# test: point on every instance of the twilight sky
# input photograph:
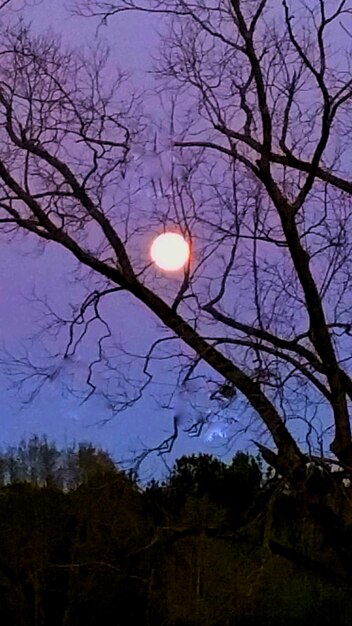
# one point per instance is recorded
(25, 267)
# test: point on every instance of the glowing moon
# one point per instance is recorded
(170, 252)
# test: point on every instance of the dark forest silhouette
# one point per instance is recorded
(83, 544)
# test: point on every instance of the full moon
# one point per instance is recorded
(170, 252)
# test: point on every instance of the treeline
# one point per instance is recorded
(83, 544)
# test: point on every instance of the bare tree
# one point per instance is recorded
(265, 101)
(255, 178)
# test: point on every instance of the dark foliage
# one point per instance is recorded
(82, 544)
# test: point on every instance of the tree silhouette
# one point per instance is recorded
(254, 175)
(273, 158)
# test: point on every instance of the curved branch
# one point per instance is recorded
(250, 389)
(281, 355)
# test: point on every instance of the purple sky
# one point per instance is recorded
(24, 266)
